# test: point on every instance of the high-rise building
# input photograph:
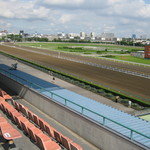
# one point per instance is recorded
(133, 36)
(92, 35)
(82, 35)
(21, 32)
(107, 36)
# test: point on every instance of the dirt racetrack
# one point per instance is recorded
(125, 83)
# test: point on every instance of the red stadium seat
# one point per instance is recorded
(49, 130)
(17, 120)
(46, 143)
(57, 136)
(42, 124)
(30, 115)
(75, 146)
(16, 105)
(34, 131)
(5, 95)
(2, 99)
(2, 120)
(15, 115)
(8, 132)
(36, 119)
(24, 110)
(66, 142)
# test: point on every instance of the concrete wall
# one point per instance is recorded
(96, 134)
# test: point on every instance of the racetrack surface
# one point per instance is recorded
(130, 84)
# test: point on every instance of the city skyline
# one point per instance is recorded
(123, 18)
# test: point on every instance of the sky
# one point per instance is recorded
(121, 17)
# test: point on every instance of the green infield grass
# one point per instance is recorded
(131, 58)
(146, 117)
(109, 51)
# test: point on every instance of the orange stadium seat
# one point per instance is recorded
(5, 95)
(8, 132)
(24, 110)
(2, 99)
(42, 124)
(30, 115)
(10, 111)
(15, 115)
(66, 142)
(57, 136)
(36, 119)
(2, 120)
(75, 146)
(16, 105)
(3, 107)
(26, 126)
(46, 143)
(34, 131)
(49, 130)
(17, 120)
(23, 120)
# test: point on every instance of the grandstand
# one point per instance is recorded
(134, 129)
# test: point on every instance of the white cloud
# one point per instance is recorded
(22, 10)
(4, 25)
(63, 2)
(66, 18)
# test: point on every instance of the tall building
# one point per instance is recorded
(92, 35)
(21, 32)
(133, 36)
(61, 35)
(82, 35)
(107, 36)
(72, 35)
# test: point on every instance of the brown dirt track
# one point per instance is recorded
(116, 80)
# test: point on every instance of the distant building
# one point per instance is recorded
(72, 36)
(51, 37)
(3, 33)
(133, 36)
(92, 35)
(21, 32)
(61, 35)
(107, 36)
(82, 35)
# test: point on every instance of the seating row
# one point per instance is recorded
(29, 128)
(45, 127)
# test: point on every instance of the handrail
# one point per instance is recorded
(82, 108)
